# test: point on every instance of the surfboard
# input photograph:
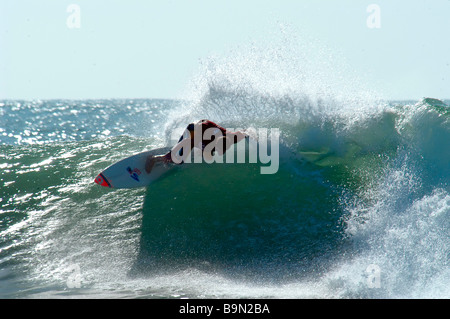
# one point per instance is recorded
(130, 172)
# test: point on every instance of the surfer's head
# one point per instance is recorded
(190, 129)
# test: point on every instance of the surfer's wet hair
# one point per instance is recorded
(190, 127)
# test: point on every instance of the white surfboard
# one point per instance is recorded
(130, 172)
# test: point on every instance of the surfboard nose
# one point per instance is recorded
(102, 181)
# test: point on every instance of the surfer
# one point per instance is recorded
(222, 143)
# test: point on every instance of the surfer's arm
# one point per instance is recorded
(180, 151)
(239, 136)
(153, 159)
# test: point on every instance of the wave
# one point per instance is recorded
(352, 190)
(341, 172)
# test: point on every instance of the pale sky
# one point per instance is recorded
(150, 49)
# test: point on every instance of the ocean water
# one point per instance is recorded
(359, 208)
